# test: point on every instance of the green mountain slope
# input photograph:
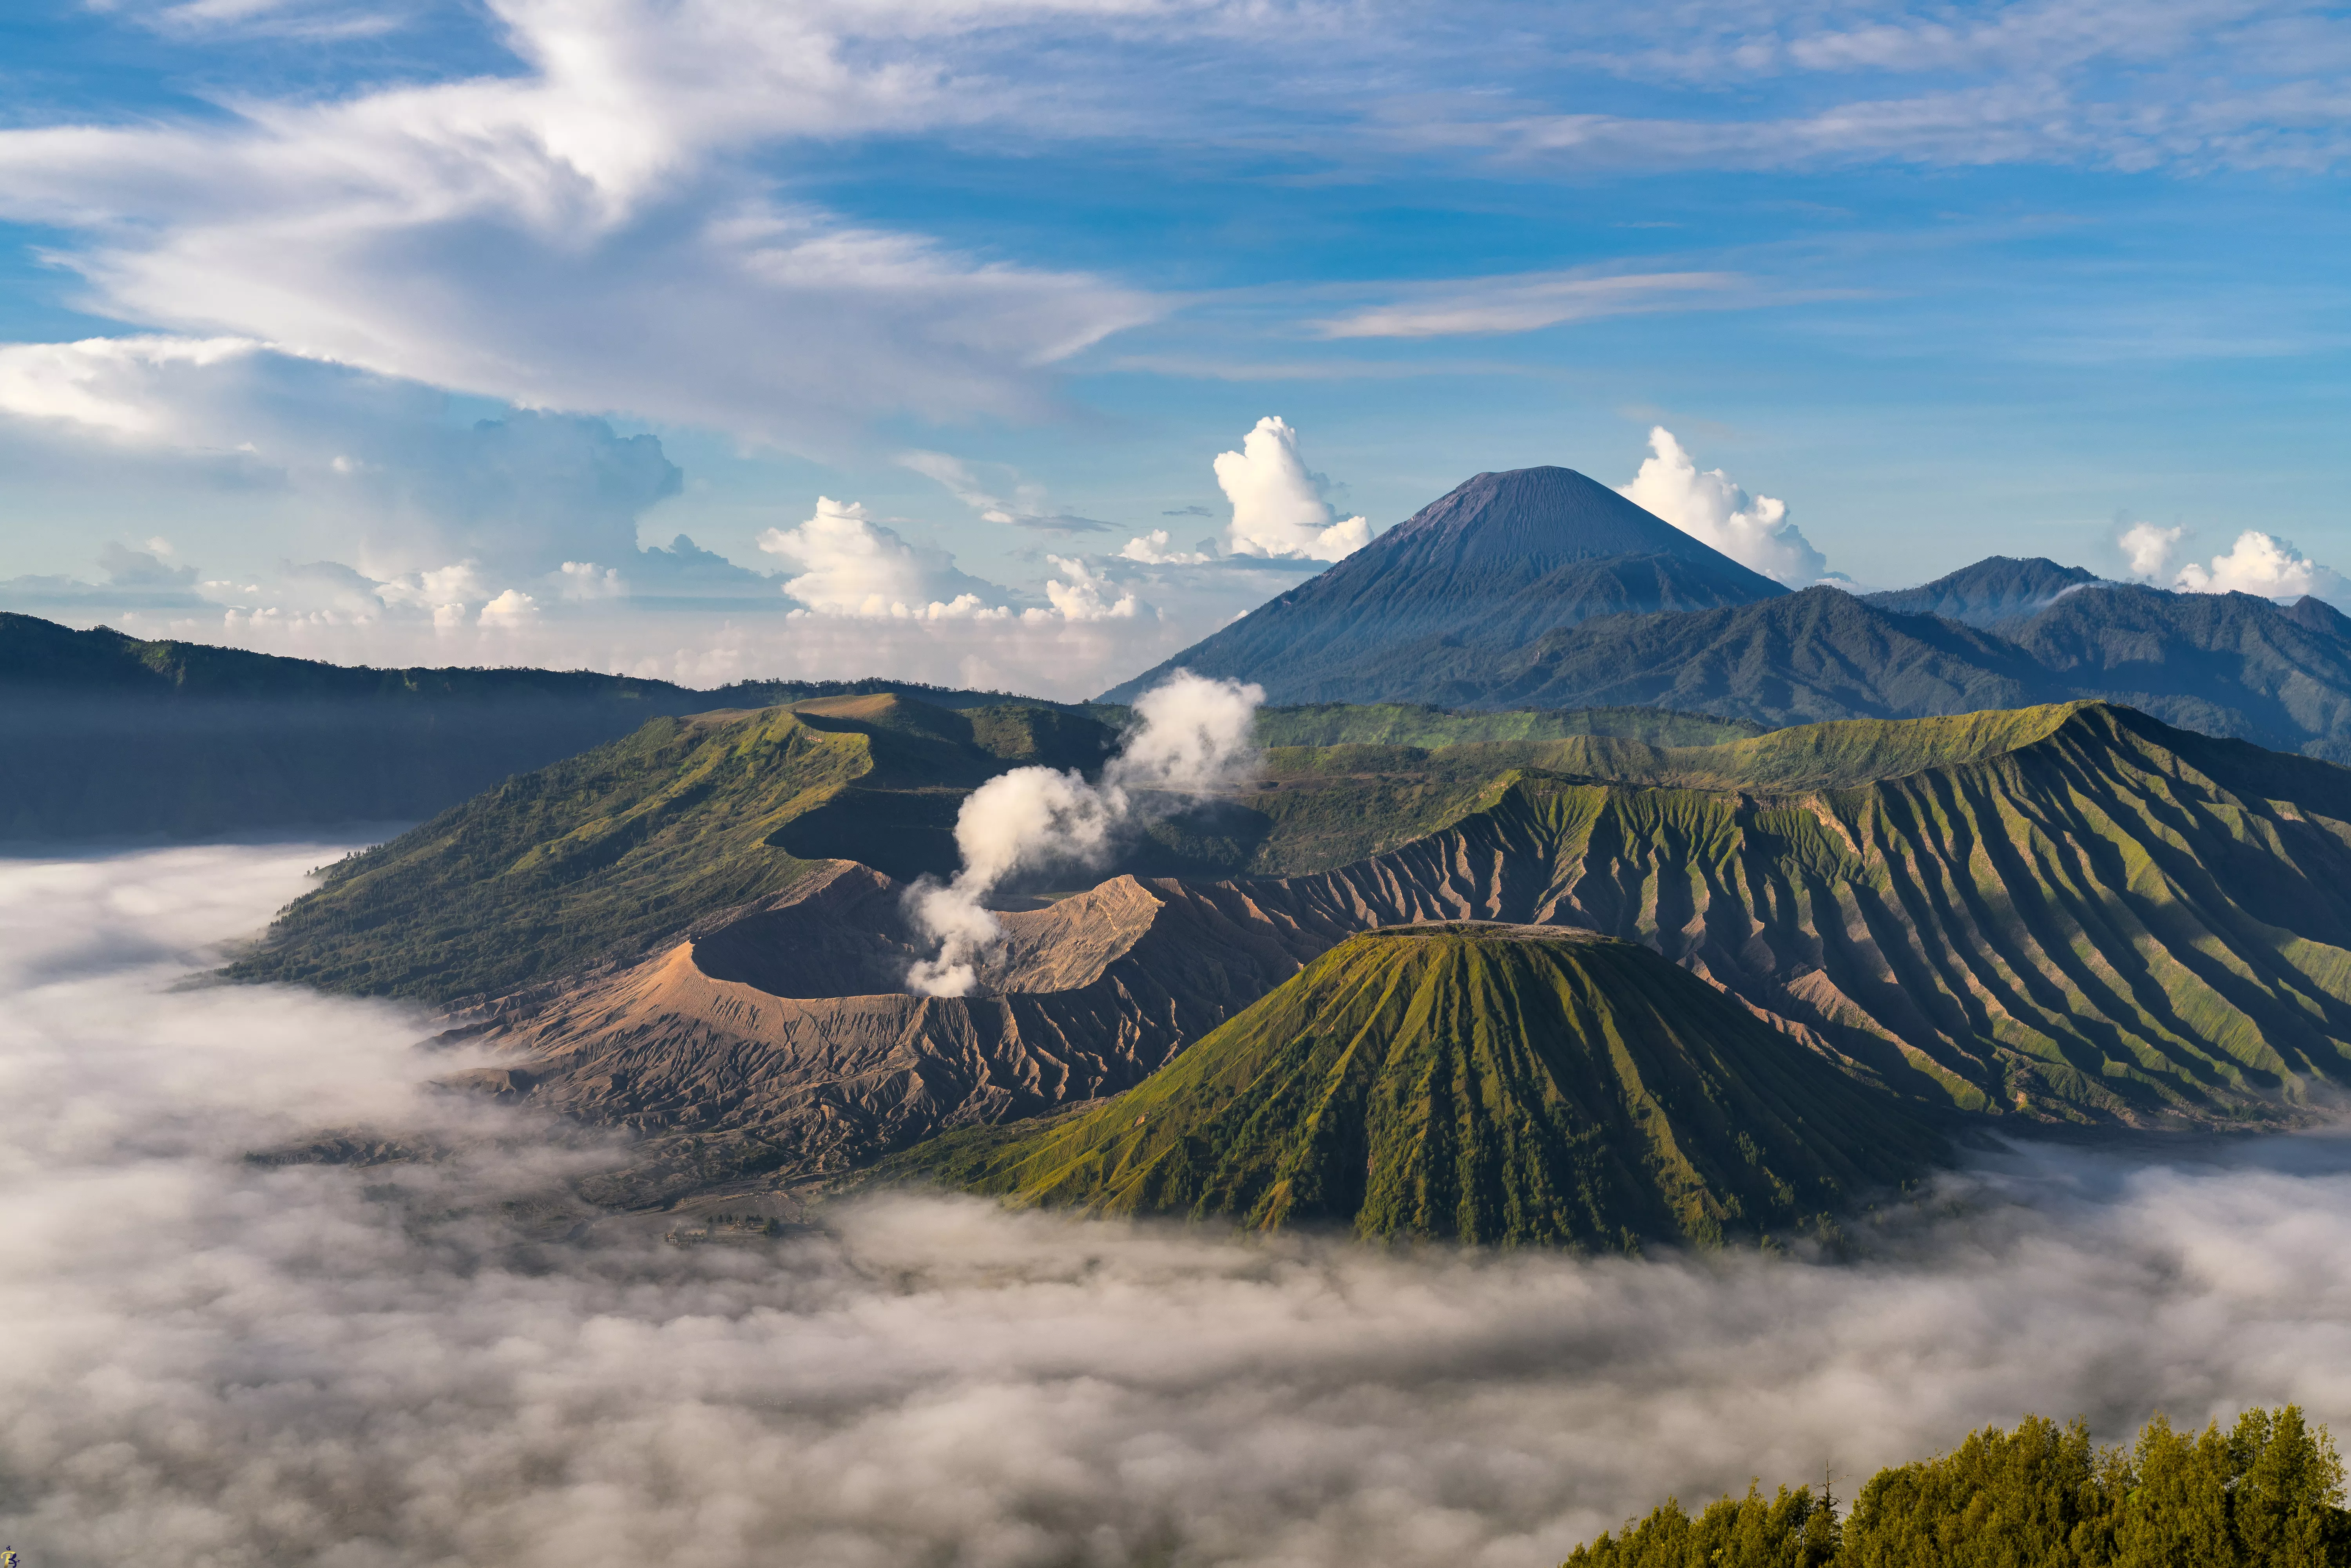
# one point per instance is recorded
(1316, 807)
(1488, 1084)
(1400, 724)
(2110, 920)
(102, 735)
(604, 852)
(641, 837)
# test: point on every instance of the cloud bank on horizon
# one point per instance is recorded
(208, 1358)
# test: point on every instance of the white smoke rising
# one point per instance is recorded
(1193, 737)
(1277, 505)
(1752, 530)
(208, 1364)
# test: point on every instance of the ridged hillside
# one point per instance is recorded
(1487, 1084)
(2104, 919)
(1400, 724)
(601, 853)
(1320, 807)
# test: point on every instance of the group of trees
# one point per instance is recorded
(2266, 1494)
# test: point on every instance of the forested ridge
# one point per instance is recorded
(2266, 1494)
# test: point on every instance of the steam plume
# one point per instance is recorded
(1194, 736)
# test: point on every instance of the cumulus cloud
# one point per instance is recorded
(1193, 735)
(1278, 505)
(2258, 563)
(2266, 564)
(1753, 530)
(511, 609)
(586, 581)
(1079, 592)
(1156, 548)
(204, 1360)
(2147, 550)
(851, 564)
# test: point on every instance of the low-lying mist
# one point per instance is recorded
(206, 1362)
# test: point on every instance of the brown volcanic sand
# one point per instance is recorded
(728, 1053)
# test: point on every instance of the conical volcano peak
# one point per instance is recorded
(1537, 515)
(1494, 563)
(1492, 1084)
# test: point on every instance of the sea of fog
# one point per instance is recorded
(205, 1362)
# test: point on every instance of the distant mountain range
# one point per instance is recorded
(1542, 589)
(107, 735)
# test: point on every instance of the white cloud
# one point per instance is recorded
(452, 584)
(851, 564)
(2266, 564)
(1752, 530)
(1527, 301)
(1081, 593)
(374, 468)
(582, 233)
(1156, 548)
(585, 580)
(114, 384)
(1023, 508)
(2147, 550)
(511, 609)
(1277, 505)
(966, 485)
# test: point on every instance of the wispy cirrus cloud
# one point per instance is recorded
(622, 222)
(1526, 301)
(582, 234)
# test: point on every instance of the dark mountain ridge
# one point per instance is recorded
(1598, 632)
(1996, 589)
(107, 735)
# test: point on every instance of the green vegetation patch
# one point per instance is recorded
(1504, 1086)
(2268, 1493)
(605, 852)
(1401, 724)
(1330, 803)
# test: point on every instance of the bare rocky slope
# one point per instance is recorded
(779, 1041)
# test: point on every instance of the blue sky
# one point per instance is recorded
(341, 329)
